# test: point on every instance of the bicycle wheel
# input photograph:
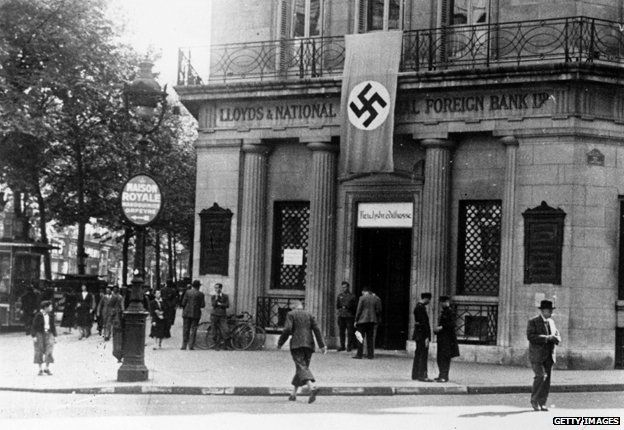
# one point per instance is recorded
(204, 336)
(260, 338)
(242, 336)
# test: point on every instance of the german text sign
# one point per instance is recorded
(385, 215)
(141, 200)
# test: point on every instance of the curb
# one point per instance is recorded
(324, 391)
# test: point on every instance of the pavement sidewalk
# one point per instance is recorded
(87, 366)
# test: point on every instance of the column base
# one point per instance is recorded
(132, 373)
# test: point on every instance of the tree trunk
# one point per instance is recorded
(175, 259)
(47, 263)
(124, 256)
(171, 274)
(190, 259)
(157, 252)
(81, 247)
(82, 219)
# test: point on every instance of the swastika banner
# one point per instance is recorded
(369, 86)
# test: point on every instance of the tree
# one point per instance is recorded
(61, 78)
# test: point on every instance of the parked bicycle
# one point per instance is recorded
(244, 334)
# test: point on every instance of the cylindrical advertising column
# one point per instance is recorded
(253, 226)
(320, 276)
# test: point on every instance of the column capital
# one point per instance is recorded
(437, 143)
(317, 145)
(508, 140)
(255, 146)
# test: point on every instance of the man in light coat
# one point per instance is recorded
(543, 337)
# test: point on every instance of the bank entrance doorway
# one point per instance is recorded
(383, 262)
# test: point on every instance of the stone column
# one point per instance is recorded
(253, 226)
(321, 252)
(434, 240)
(507, 242)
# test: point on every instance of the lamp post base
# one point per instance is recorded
(132, 373)
(133, 368)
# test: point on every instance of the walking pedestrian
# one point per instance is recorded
(69, 311)
(84, 312)
(447, 339)
(543, 339)
(44, 337)
(102, 312)
(346, 305)
(422, 336)
(220, 302)
(170, 298)
(367, 316)
(301, 325)
(192, 304)
(30, 305)
(114, 324)
(97, 313)
(160, 324)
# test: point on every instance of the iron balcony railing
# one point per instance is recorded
(476, 323)
(271, 312)
(559, 40)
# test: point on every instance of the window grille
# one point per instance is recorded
(290, 232)
(479, 243)
(476, 323)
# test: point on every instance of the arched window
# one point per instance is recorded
(379, 15)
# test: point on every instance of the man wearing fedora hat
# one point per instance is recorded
(543, 337)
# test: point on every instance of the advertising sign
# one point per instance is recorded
(141, 200)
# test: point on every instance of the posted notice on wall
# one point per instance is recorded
(293, 257)
(385, 215)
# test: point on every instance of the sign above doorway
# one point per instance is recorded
(385, 215)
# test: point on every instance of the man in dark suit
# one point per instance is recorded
(367, 316)
(192, 304)
(30, 305)
(422, 336)
(447, 339)
(220, 302)
(543, 337)
(170, 297)
(84, 312)
(302, 326)
(345, 305)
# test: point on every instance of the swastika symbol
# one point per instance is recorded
(368, 105)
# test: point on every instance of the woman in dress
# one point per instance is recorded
(160, 324)
(69, 312)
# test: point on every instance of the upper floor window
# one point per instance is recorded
(469, 12)
(301, 18)
(377, 15)
(306, 18)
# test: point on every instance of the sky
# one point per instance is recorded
(164, 26)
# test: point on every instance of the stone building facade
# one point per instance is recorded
(508, 167)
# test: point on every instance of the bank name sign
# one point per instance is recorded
(385, 215)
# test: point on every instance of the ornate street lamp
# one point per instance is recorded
(142, 96)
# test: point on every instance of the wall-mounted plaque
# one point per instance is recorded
(595, 158)
(543, 244)
(215, 226)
